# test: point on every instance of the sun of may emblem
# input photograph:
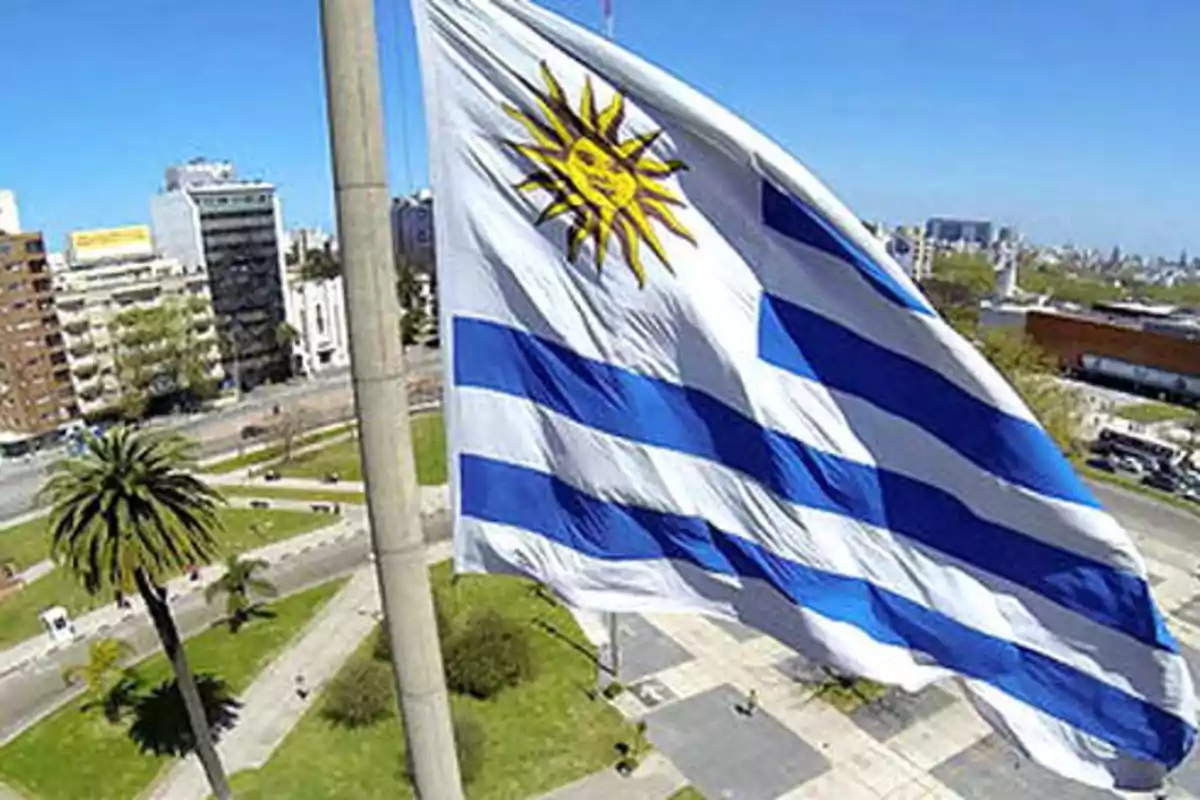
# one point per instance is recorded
(609, 186)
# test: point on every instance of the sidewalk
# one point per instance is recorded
(271, 707)
(656, 779)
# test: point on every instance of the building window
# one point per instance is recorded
(34, 246)
(320, 320)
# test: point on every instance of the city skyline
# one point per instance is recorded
(936, 111)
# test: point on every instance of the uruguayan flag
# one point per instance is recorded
(684, 378)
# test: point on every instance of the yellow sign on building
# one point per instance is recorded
(123, 239)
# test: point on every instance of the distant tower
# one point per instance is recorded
(1006, 271)
(1183, 258)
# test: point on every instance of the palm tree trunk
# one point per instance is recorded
(164, 623)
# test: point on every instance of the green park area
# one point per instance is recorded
(429, 450)
(241, 530)
(76, 753)
(276, 450)
(1155, 412)
(546, 730)
(286, 493)
(686, 793)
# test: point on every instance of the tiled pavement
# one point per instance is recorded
(687, 677)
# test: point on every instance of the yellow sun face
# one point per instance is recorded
(610, 187)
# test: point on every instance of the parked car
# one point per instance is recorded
(1131, 464)
(1161, 479)
(253, 431)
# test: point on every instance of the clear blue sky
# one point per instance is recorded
(1076, 119)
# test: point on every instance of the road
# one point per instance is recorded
(30, 692)
(321, 401)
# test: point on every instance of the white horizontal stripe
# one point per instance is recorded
(900, 446)
(662, 586)
(617, 470)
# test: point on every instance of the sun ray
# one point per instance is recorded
(612, 117)
(560, 206)
(553, 87)
(627, 236)
(587, 106)
(607, 187)
(659, 169)
(633, 149)
(576, 236)
(657, 190)
(642, 226)
(542, 180)
(544, 137)
(664, 215)
(603, 228)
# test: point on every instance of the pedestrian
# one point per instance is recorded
(751, 704)
(301, 687)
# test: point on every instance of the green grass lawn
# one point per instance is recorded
(73, 754)
(429, 449)
(540, 735)
(1154, 412)
(686, 793)
(284, 493)
(245, 529)
(25, 544)
(274, 451)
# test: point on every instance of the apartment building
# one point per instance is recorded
(36, 394)
(206, 217)
(115, 349)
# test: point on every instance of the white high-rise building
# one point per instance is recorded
(111, 272)
(206, 217)
(10, 220)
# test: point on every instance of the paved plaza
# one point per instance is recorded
(689, 678)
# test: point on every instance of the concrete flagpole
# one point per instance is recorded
(377, 364)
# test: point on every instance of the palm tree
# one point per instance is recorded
(109, 684)
(238, 584)
(126, 515)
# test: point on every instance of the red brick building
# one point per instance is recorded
(1156, 354)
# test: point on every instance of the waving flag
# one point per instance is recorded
(685, 378)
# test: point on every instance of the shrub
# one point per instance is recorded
(360, 695)
(489, 654)
(470, 744)
(612, 690)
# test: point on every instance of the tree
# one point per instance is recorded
(109, 683)
(126, 515)
(161, 350)
(413, 320)
(240, 584)
(287, 429)
(1030, 370)
(320, 264)
(286, 335)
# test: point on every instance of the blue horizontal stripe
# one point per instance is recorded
(655, 412)
(796, 220)
(512, 495)
(1012, 448)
